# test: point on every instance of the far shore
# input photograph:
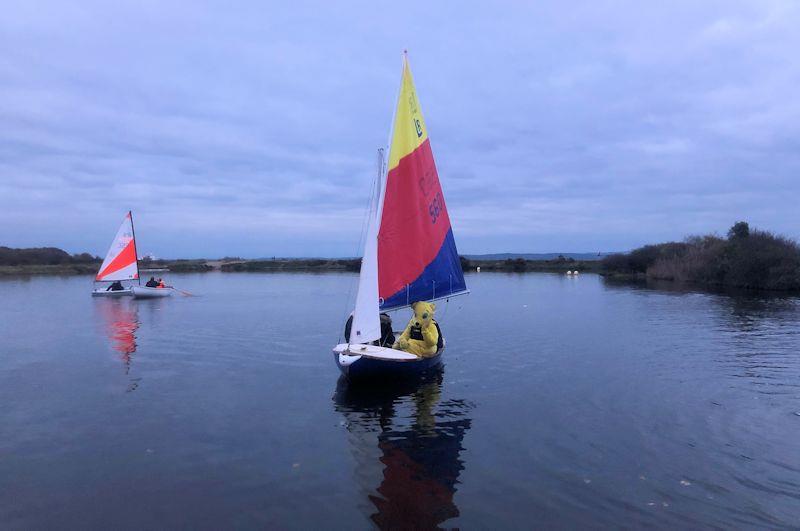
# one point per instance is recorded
(747, 259)
(306, 265)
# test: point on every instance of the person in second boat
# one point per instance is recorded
(151, 283)
(161, 283)
(116, 286)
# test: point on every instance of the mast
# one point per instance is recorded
(366, 315)
(384, 171)
(135, 251)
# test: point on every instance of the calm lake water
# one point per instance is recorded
(564, 402)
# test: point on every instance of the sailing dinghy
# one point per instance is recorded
(409, 253)
(121, 262)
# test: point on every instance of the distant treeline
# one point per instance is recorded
(177, 266)
(751, 259)
(42, 256)
(516, 265)
(295, 264)
(538, 257)
(522, 265)
(746, 258)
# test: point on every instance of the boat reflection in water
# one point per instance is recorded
(406, 442)
(120, 321)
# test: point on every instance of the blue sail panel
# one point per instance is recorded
(441, 278)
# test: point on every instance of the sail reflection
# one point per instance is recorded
(406, 442)
(121, 321)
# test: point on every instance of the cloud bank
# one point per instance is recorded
(251, 129)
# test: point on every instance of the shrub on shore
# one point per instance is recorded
(42, 256)
(747, 258)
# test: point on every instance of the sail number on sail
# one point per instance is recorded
(435, 208)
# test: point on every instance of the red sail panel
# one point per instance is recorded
(125, 258)
(414, 223)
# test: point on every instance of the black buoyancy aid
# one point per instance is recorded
(416, 333)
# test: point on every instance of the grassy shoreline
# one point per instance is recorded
(48, 269)
(752, 260)
(303, 265)
(521, 265)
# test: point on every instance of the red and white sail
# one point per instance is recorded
(121, 260)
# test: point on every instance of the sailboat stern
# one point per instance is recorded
(374, 362)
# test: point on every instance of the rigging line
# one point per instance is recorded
(349, 300)
(447, 301)
(446, 307)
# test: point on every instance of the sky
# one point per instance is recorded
(250, 128)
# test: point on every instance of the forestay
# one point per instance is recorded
(366, 321)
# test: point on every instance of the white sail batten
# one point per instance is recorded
(366, 325)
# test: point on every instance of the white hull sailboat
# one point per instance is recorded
(410, 254)
(125, 292)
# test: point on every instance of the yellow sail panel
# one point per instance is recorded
(409, 125)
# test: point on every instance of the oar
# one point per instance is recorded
(185, 293)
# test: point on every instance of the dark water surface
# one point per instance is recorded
(564, 402)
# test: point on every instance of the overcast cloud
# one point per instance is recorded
(250, 129)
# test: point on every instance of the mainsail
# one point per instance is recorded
(121, 260)
(417, 256)
(410, 254)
